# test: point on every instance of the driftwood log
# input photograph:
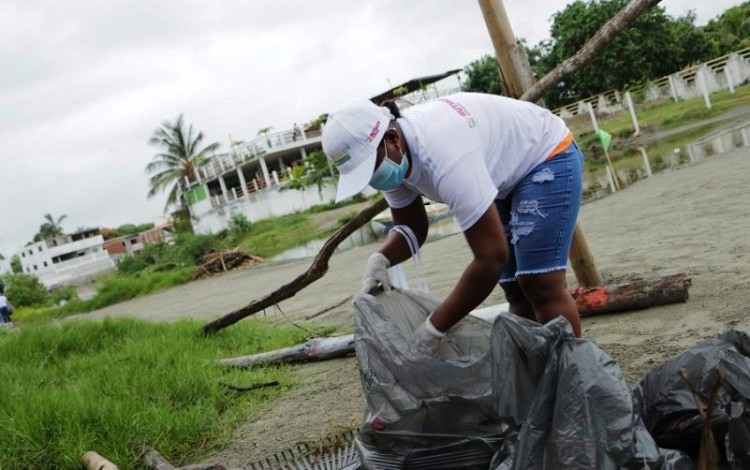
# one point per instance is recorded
(317, 269)
(317, 349)
(94, 461)
(320, 264)
(631, 295)
(591, 301)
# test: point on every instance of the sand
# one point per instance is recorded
(694, 219)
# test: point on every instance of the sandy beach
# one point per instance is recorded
(693, 220)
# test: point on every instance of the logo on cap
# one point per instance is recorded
(373, 132)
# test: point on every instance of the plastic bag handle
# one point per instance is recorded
(398, 273)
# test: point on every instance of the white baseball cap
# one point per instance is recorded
(350, 141)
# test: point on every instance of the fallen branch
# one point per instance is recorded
(589, 50)
(94, 461)
(155, 461)
(241, 389)
(317, 269)
(329, 308)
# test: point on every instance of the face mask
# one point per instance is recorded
(390, 175)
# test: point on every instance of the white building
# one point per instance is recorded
(66, 259)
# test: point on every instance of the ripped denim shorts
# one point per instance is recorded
(540, 214)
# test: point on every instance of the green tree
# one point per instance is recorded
(15, 265)
(24, 290)
(314, 169)
(181, 151)
(650, 48)
(483, 76)
(731, 30)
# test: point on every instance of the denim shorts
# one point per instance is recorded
(539, 216)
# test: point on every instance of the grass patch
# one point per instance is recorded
(114, 386)
(113, 289)
(269, 237)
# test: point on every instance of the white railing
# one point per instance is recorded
(654, 89)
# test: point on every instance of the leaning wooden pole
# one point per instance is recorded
(519, 82)
(317, 269)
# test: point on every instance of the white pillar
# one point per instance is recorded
(264, 170)
(243, 183)
(745, 133)
(631, 108)
(672, 88)
(728, 77)
(701, 79)
(593, 118)
(197, 175)
(611, 180)
(223, 187)
(275, 177)
(303, 152)
(646, 163)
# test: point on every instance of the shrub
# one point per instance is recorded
(131, 264)
(24, 290)
(64, 294)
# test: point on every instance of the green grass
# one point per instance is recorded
(113, 289)
(269, 237)
(118, 385)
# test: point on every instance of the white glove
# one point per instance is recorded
(376, 273)
(427, 338)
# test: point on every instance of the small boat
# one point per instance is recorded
(436, 212)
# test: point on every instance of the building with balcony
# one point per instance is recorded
(66, 259)
(253, 178)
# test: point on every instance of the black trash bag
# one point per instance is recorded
(570, 401)
(667, 407)
(423, 410)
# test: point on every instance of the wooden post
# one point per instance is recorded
(518, 79)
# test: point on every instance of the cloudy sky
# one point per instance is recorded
(84, 83)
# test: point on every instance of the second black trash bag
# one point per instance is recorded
(667, 407)
(570, 400)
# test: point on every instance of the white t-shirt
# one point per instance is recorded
(469, 149)
(3, 301)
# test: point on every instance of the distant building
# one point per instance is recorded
(66, 259)
(129, 244)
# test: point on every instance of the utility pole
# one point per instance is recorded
(518, 78)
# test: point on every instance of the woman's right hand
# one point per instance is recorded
(376, 273)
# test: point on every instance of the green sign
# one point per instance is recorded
(196, 195)
(605, 138)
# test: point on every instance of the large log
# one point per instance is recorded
(631, 295)
(634, 295)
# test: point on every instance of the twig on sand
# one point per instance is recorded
(248, 388)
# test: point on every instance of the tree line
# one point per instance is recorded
(655, 45)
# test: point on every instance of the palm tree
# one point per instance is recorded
(51, 227)
(181, 153)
